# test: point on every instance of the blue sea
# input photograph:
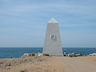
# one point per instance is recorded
(19, 51)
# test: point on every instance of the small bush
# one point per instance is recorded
(23, 71)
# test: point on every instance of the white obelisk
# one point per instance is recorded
(52, 44)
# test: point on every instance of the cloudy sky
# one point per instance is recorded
(23, 23)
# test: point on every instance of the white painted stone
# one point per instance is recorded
(52, 20)
(52, 44)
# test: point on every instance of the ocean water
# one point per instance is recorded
(18, 52)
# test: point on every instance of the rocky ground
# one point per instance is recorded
(32, 64)
(12, 62)
(49, 64)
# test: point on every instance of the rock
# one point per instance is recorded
(27, 54)
(72, 55)
(33, 54)
(93, 54)
(78, 54)
(36, 54)
(46, 54)
(40, 54)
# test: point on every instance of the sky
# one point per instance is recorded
(23, 23)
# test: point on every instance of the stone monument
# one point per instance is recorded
(52, 44)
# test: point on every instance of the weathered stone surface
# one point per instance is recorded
(34, 54)
(52, 44)
(40, 54)
(78, 54)
(72, 55)
(93, 54)
(27, 54)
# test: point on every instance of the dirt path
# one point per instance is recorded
(78, 65)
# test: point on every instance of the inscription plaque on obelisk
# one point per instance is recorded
(52, 44)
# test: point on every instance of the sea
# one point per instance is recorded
(17, 52)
